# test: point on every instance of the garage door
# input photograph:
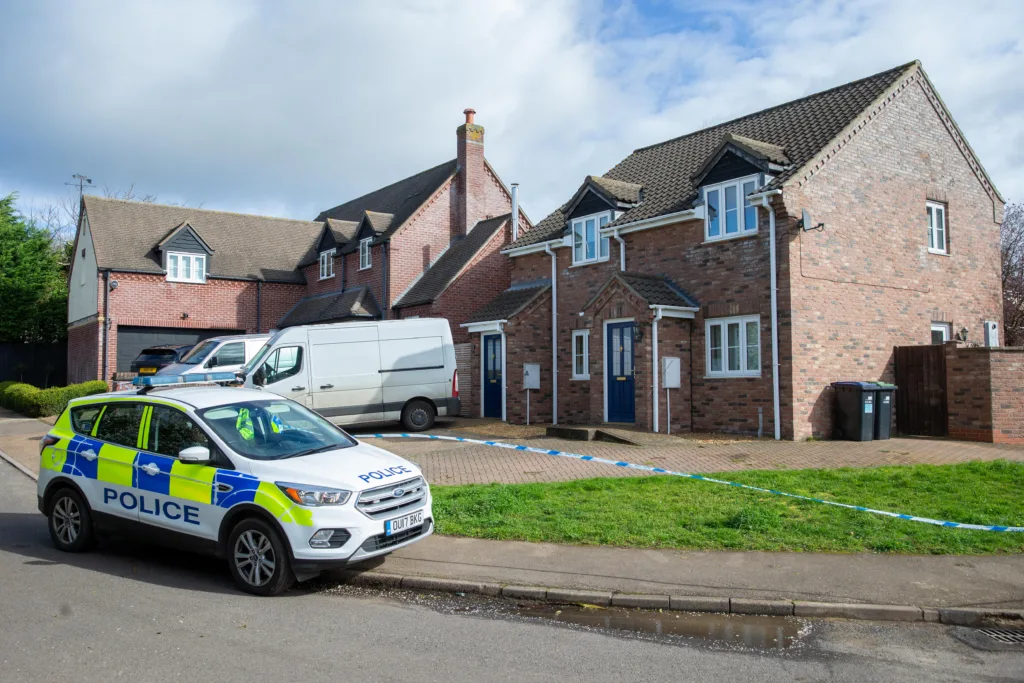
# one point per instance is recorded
(131, 340)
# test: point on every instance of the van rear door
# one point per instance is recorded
(346, 378)
(412, 364)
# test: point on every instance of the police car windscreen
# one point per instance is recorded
(273, 430)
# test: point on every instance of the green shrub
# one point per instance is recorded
(34, 402)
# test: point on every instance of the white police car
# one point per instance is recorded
(260, 480)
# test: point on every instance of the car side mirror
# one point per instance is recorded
(199, 455)
(212, 362)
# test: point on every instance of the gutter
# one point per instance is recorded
(554, 332)
(656, 222)
(772, 264)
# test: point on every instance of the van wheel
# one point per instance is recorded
(417, 416)
(259, 559)
(70, 522)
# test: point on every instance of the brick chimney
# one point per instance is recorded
(471, 181)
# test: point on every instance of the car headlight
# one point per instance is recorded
(303, 494)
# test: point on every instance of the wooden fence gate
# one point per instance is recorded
(921, 392)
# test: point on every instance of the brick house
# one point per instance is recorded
(677, 251)
(147, 274)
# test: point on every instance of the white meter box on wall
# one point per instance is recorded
(670, 373)
(531, 375)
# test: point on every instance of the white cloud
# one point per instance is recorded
(289, 108)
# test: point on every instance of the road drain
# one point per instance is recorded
(762, 633)
(997, 639)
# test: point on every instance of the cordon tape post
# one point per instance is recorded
(698, 477)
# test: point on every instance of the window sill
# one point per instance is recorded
(581, 378)
(187, 282)
(938, 252)
(589, 263)
(730, 238)
(327, 277)
(366, 268)
(734, 376)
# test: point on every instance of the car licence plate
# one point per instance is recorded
(147, 371)
(393, 526)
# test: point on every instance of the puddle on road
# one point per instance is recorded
(715, 631)
(761, 633)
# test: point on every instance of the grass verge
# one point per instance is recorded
(672, 512)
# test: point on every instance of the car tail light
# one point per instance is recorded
(455, 384)
(47, 441)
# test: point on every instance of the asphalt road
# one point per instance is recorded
(134, 613)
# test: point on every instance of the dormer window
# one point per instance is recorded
(587, 244)
(729, 212)
(364, 253)
(327, 264)
(186, 268)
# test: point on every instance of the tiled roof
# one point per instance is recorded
(400, 199)
(765, 150)
(628, 193)
(343, 230)
(801, 128)
(447, 267)
(357, 302)
(657, 290)
(509, 303)
(380, 222)
(126, 233)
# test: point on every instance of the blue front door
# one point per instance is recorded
(619, 347)
(492, 375)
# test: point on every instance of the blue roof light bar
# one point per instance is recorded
(154, 381)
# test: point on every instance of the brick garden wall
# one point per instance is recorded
(866, 282)
(985, 394)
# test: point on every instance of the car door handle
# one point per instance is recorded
(298, 388)
(326, 386)
(89, 455)
(224, 488)
(150, 468)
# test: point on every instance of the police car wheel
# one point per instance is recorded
(417, 416)
(258, 559)
(70, 523)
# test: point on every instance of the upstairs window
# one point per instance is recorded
(326, 264)
(733, 346)
(937, 233)
(186, 268)
(729, 212)
(364, 253)
(587, 244)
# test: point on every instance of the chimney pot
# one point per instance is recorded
(469, 115)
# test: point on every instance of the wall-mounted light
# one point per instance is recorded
(963, 334)
(184, 316)
(113, 285)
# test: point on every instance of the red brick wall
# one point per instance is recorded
(985, 394)
(149, 300)
(84, 351)
(314, 285)
(416, 246)
(866, 282)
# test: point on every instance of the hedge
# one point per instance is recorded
(35, 402)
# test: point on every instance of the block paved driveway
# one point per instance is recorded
(451, 463)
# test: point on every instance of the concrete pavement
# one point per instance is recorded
(128, 612)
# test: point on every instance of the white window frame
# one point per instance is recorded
(197, 267)
(327, 264)
(585, 336)
(578, 228)
(724, 323)
(742, 229)
(932, 209)
(365, 258)
(945, 328)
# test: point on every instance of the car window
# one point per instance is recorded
(199, 353)
(84, 417)
(231, 354)
(171, 431)
(283, 363)
(271, 430)
(120, 424)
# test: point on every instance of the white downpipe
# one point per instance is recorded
(622, 250)
(775, 311)
(654, 353)
(504, 375)
(515, 211)
(554, 333)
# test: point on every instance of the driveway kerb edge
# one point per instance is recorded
(18, 466)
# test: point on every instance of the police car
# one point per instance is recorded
(260, 480)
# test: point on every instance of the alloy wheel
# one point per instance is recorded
(254, 558)
(67, 520)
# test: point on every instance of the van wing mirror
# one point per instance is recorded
(197, 455)
(259, 378)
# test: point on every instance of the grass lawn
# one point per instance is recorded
(672, 512)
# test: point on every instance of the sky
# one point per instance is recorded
(287, 109)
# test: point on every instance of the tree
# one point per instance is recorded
(1012, 243)
(33, 290)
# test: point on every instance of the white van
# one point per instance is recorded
(376, 371)
(218, 354)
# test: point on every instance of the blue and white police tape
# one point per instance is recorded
(698, 477)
